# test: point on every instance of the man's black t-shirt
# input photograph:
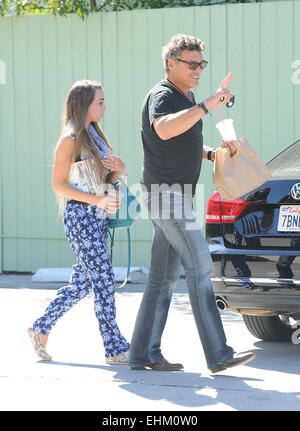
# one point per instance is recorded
(176, 160)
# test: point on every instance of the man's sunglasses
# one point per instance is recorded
(193, 64)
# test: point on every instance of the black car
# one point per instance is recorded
(255, 246)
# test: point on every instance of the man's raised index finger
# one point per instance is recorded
(226, 81)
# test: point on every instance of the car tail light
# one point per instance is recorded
(219, 211)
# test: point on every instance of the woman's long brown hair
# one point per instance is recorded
(80, 96)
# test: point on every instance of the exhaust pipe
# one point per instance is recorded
(221, 304)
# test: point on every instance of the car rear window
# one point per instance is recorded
(287, 163)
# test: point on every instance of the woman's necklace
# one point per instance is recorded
(188, 96)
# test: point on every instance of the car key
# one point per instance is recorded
(230, 103)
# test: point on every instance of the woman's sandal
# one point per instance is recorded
(39, 348)
(121, 358)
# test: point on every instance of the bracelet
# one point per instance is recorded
(203, 107)
(209, 155)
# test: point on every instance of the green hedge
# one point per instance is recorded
(84, 7)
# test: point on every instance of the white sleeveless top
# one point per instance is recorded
(84, 174)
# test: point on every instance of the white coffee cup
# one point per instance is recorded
(226, 129)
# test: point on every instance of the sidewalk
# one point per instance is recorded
(79, 379)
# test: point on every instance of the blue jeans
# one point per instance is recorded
(177, 240)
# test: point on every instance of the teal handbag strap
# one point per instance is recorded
(112, 243)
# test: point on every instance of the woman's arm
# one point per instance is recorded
(61, 169)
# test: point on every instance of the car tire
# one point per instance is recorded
(268, 328)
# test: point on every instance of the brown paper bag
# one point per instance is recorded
(235, 176)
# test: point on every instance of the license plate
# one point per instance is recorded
(289, 218)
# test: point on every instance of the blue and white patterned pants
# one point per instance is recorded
(87, 235)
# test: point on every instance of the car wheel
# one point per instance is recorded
(270, 328)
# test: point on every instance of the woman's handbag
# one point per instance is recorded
(124, 217)
(235, 176)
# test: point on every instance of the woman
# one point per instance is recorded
(83, 165)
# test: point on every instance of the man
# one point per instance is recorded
(173, 152)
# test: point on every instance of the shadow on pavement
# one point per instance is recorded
(193, 390)
(287, 357)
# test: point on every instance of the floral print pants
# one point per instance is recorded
(87, 235)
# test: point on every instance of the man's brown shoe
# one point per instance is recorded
(232, 362)
(161, 365)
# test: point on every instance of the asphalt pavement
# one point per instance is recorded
(79, 380)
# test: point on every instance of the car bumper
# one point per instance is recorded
(252, 281)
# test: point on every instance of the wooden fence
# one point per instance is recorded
(42, 57)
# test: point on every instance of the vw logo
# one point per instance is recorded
(295, 191)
